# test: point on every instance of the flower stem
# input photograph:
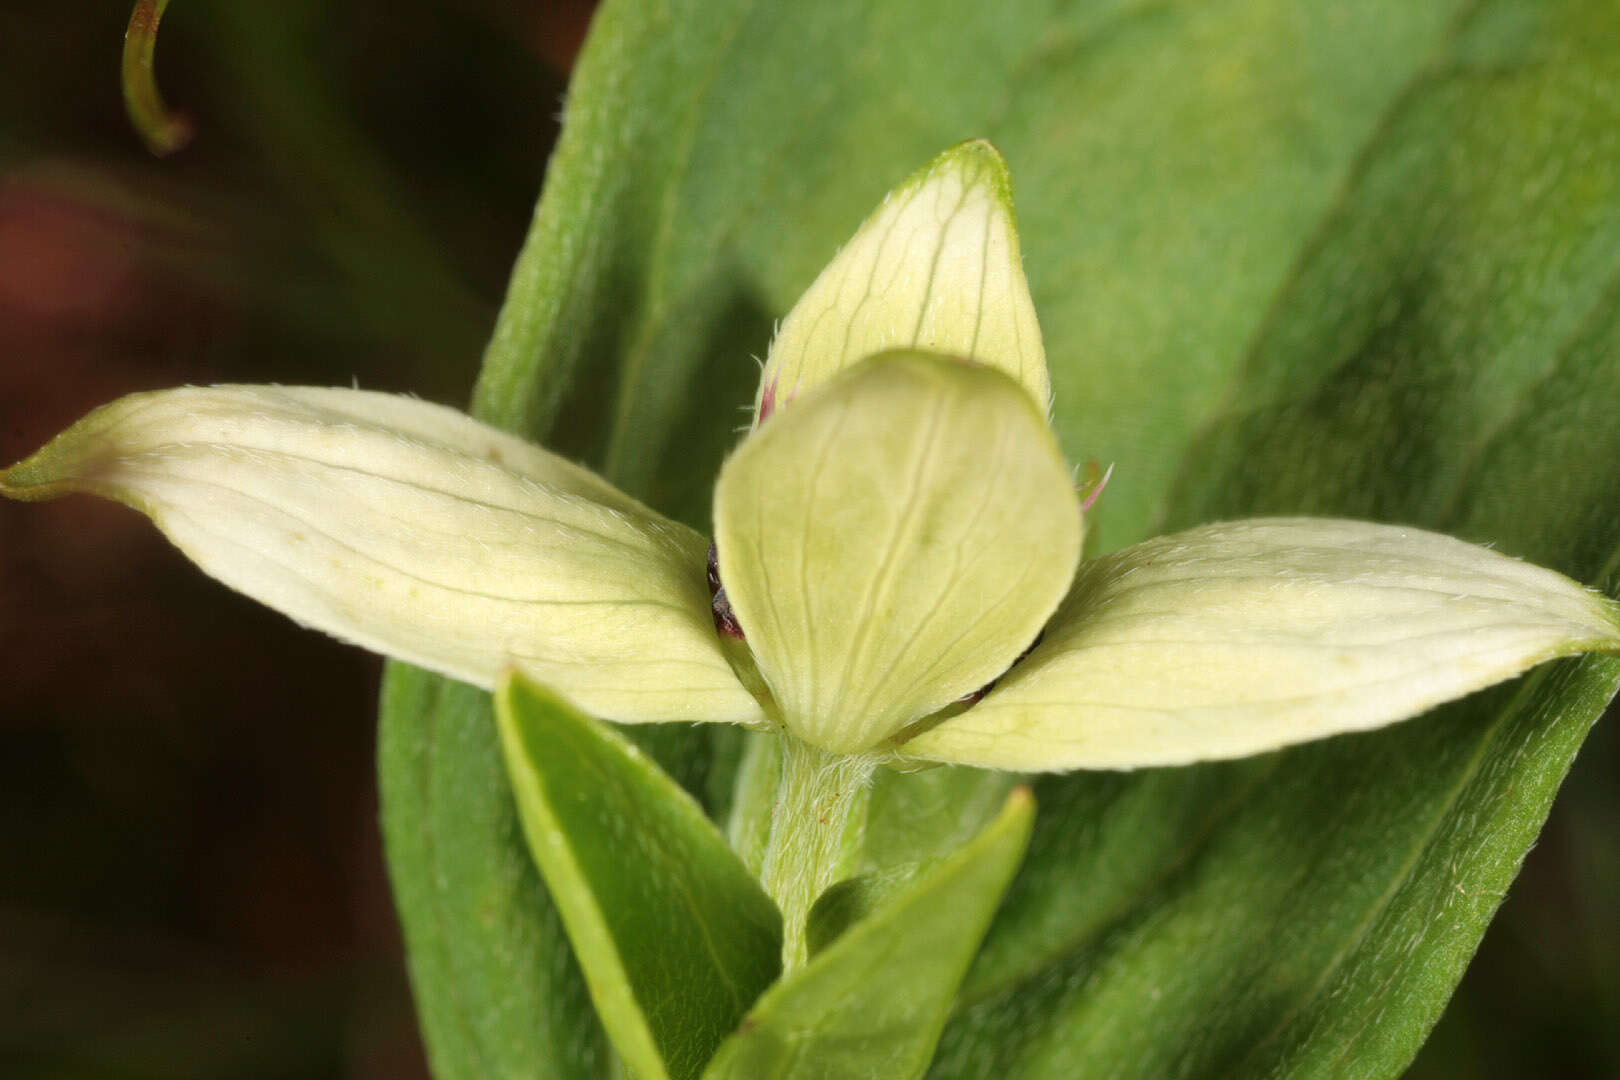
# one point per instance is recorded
(817, 824)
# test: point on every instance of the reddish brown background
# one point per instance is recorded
(190, 870)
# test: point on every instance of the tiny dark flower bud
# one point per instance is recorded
(714, 568)
(725, 620)
(977, 696)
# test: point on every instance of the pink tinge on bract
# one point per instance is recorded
(767, 401)
(1094, 487)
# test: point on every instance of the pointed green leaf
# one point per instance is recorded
(675, 937)
(845, 903)
(1234, 639)
(936, 268)
(873, 1001)
(497, 987)
(416, 532)
(498, 991)
(929, 813)
(893, 542)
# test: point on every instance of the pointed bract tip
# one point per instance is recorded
(975, 161)
(27, 481)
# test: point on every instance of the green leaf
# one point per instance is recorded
(849, 901)
(872, 1002)
(675, 937)
(1410, 371)
(498, 991)
(1351, 259)
(926, 815)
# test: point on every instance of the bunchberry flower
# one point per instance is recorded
(894, 534)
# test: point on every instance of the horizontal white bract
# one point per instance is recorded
(936, 268)
(893, 542)
(417, 532)
(1239, 638)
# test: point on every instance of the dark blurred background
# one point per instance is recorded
(191, 882)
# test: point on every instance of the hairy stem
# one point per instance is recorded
(817, 823)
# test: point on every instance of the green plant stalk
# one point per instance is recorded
(163, 131)
(817, 823)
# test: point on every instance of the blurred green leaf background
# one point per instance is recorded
(193, 883)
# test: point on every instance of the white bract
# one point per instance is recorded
(895, 533)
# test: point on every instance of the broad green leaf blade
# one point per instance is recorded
(873, 1001)
(1252, 188)
(675, 937)
(416, 532)
(716, 156)
(1438, 814)
(937, 268)
(1230, 640)
(494, 994)
(1232, 960)
(893, 542)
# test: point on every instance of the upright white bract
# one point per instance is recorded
(935, 268)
